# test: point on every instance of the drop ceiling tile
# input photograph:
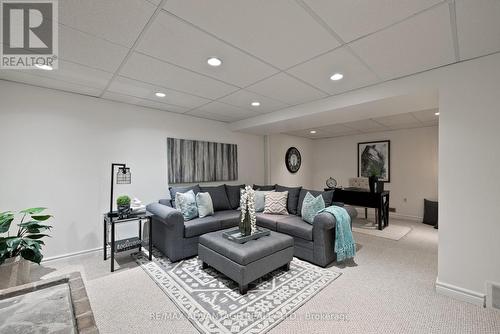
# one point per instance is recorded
(336, 129)
(119, 21)
(213, 117)
(318, 71)
(146, 91)
(82, 48)
(478, 27)
(25, 77)
(278, 31)
(156, 72)
(143, 102)
(226, 109)
(353, 19)
(365, 125)
(420, 43)
(426, 115)
(76, 74)
(193, 47)
(398, 120)
(244, 98)
(284, 88)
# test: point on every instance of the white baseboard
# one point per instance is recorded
(62, 256)
(459, 293)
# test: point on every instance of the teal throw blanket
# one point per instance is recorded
(345, 246)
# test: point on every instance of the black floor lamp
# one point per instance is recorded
(123, 176)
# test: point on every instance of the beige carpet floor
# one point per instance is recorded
(388, 289)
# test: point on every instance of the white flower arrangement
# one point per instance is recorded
(247, 204)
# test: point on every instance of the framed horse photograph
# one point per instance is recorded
(374, 159)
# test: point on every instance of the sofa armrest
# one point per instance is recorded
(166, 214)
(324, 221)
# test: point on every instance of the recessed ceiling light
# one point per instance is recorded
(336, 76)
(437, 113)
(160, 94)
(312, 131)
(255, 104)
(44, 67)
(214, 62)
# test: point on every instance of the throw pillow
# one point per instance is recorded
(275, 203)
(175, 190)
(219, 197)
(186, 203)
(293, 197)
(205, 205)
(260, 200)
(264, 188)
(311, 206)
(327, 196)
(233, 193)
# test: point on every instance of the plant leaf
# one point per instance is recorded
(32, 211)
(6, 219)
(41, 218)
(32, 255)
(13, 243)
(35, 224)
(36, 236)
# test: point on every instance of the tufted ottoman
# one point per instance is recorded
(244, 263)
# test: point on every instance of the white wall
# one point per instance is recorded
(56, 149)
(277, 145)
(414, 165)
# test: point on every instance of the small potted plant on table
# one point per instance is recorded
(123, 204)
(17, 251)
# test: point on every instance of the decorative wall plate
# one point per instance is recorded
(293, 160)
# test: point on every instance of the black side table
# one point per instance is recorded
(118, 246)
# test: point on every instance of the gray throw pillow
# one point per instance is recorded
(175, 190)
(219, 197)
(264, 188)
(233, 194)
(327, 197)
(260, 200)
(293, 197)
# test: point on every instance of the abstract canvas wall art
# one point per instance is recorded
(375, 157)
(201, 161)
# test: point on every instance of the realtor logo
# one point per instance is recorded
(29, 34)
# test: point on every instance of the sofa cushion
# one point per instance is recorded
(247, 252)
(228, 218)
(264, 188)
(165, 201)
(219, 197)
(293, 197)
(199, 226)
(327, 196)
(204, 204)
(175, 190)
(267, 220)
(233, 194)
(275, 203)
(296, 227)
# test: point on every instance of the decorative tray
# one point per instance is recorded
(235, 235)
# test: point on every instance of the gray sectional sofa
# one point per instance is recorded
(178, 239)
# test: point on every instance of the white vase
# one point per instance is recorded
(14, 271)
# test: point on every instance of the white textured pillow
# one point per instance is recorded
(205, 204)
(275, 203)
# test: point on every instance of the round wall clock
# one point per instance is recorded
(293, 160)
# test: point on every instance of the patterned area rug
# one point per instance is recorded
(211, 301)
(394, 231)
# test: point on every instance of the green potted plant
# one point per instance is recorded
(374, 173)
(18, 250)
(123, 204)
